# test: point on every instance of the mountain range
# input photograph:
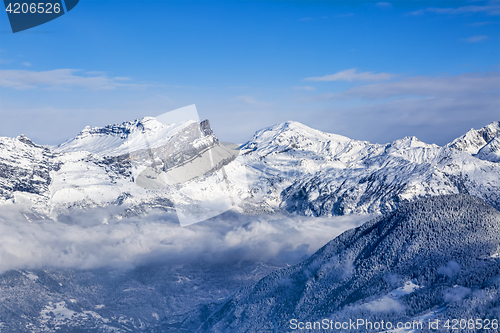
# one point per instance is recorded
(431, 254)
(287, 167)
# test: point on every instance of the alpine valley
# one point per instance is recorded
(90, 239)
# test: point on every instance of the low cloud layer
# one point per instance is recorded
(89, 240)
(451, 269)
(456, 294)
(385, 304)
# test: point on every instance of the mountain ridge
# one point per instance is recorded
(474, 140)
(288, 167)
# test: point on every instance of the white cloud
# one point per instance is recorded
(352, 75)
(475, 39)
(250, 100)
(306, 88)
(85, 242)
(27, 64)
(62, 79)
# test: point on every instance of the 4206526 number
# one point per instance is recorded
(478, 324)
(40, 8)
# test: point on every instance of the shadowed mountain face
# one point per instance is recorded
(437, 257)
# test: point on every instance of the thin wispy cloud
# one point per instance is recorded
(305, 88)
(384, 4)
(344, 15)
(449, 86)
(351, 75)
(26, 63)
(250, 100)
(491, 9)
(63, 79)
(475, 39)
(480, 24)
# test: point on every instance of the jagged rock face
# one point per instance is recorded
(446, 248)
(474, 140)
(181, 146)
(128, 137)
(25, 168)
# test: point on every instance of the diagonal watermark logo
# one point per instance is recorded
(201, 175)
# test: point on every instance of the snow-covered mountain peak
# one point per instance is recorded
(124, 129)
(119, 139)
(474, 140)
(24, 139)
(292, 135)
(410, 142)
(492, 129)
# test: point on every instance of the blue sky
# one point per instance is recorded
(369, 70)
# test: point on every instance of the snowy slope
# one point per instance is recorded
(111, 300)
(26, 174)
(434, 253)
